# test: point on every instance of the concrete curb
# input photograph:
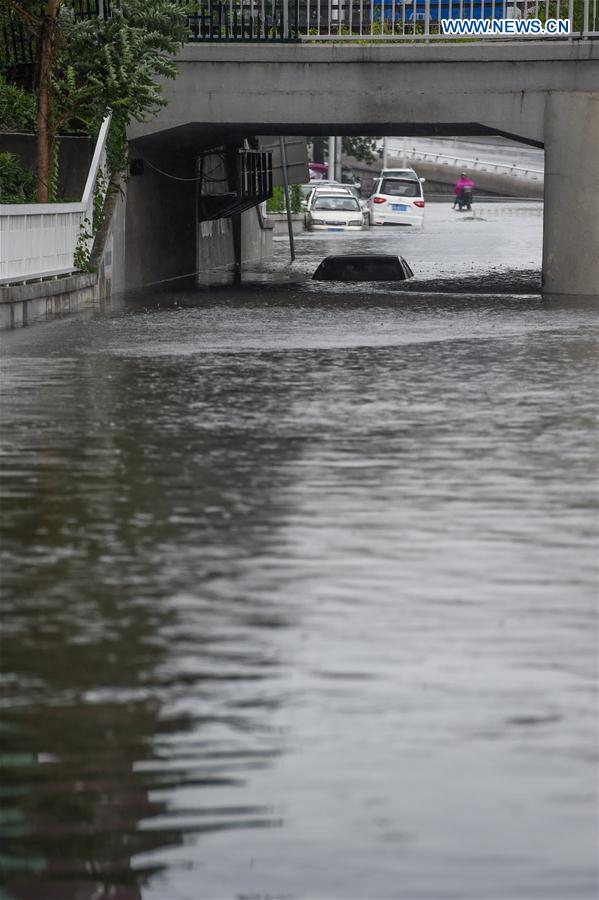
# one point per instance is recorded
(32, 290)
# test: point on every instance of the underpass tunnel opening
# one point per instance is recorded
(185, 190)
(203, 213)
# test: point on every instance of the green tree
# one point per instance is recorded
(40, 20)
(17, 107)
(114, 63)
(85, 66)
(361, 148)
(17, 185)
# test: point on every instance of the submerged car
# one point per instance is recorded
(397, 201)
(381, 267)
(328, 211)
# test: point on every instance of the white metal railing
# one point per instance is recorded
(38, 240)
(377, 20)
(475, 164)
(420, 20)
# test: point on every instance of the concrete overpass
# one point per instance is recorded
(543, 93)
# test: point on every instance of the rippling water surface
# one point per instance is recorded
(299, 598)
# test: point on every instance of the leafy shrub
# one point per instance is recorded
(17, 185)
(276, 203)
(17, 108)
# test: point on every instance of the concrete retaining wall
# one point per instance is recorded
(167, 246)
(256, 236)
(502, 185)
(279, 223)
(160, 225)
(36, 301)
(216, 262)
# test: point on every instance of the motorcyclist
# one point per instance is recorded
(462, 184)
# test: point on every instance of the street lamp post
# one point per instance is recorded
(332, 159)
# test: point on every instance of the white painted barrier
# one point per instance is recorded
(38, 240)
(476, 164)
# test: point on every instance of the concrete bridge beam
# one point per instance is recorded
(461, 88)
(571, 212)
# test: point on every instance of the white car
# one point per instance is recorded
(327, 187)
(397, 201)
(305, 191)
(339, 211)
(308, 190)
(334, 188)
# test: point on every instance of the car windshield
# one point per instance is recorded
(337, 203)
(396, 187)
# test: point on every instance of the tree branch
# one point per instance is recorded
(22, 12)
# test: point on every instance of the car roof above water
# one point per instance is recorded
(362, 267)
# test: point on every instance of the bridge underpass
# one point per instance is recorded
(544, 94)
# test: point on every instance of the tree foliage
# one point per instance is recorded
(363, 149)
(276, 203)
(17, 185)
(86, 66)
(17, 107)
(115, 63)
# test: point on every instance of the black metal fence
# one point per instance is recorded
(17, 45)
(293, 20)
(87, 9)
(213, 20)
(17, 42)
(245, 20)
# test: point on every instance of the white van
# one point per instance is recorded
(397, 199)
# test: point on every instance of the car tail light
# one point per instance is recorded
(378, 200)
(419, 204)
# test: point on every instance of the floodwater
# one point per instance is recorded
(299, 586)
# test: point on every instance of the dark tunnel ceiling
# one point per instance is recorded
(186, 141)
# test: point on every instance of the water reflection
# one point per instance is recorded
(125, 520)
(298, 599)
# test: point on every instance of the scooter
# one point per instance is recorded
(464, 199)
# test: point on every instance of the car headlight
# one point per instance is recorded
(356, 222)
(317, 221)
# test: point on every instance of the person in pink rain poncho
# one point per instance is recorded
(462, 184)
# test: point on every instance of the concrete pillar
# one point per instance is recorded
(571, 214)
